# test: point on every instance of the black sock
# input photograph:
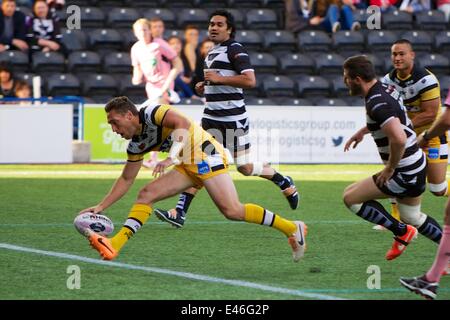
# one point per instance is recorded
(374, 212)
(431, 229)
(280, 181)
(184, 202)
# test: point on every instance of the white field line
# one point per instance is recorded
(186, 275)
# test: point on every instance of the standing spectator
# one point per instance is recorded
(12, 28)
(444, 6)
(44, 32)
(7, 81)
(190, 52)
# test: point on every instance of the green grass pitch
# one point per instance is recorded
(211, 257)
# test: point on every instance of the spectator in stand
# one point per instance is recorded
(190, 53)
(22, 90)
(7, 81)
(56, 4)
(44, 32)
(205, 47)
(444, 6)
(385, 5)
(183, 80)
(297, 13)
(333, 15)
(12, 27)
(413, 6)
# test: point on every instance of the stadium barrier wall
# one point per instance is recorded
(36, 134)
(278, 134)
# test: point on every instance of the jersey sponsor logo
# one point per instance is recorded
(433, 153)
(203, 167)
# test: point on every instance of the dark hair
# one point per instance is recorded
(7, 67)
(230, 20)
(360, 66)
(404, 41)
(121, 105)
(20, 84)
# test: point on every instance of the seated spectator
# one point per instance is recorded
(385, 5)
(12, 27)
(334, 15)
(22, 90)
(444, 6)
(44, 33)
(7, 81)
(56, 4)
(413, 6)
(297, 14)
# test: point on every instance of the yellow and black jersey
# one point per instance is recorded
(421, 85)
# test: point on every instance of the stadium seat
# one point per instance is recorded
(430, 20)
(48, 62)
(344, 41)
(421, 40)
(260, 102)
(275, 4)
(99, 85)
(28, 78)
(436, 63)
(166, 15)
(278, 86)
(210, 3)
(17, 58)
(111, 3)
(193, 16)
(128, 39)
(144, 3)
(176, 4)
(261, 19)
(312, 86)
(244, 3)
(397, 20)
(122, 18)
(92, 17)
(84, 62)
(329, 63)
(378, 63)
(263, 62)
(279, 40)
(297, 63)
(105, 40)
(314, 41)
(380, 40)
(257, 90)
(355, 101)
(117, 62)
(361, 16)
(338, 87)
(251, 39)
(331, 102)
(63, 84)
(286, 101)
(81, 2)
(442, 41)
(136, 93)
(73, 40)
(238, 15)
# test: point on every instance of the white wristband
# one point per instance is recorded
(175, 150)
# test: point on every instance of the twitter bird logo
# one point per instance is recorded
(337, 141)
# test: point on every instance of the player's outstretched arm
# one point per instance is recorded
(356, 138)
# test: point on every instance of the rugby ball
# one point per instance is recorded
(98, 223)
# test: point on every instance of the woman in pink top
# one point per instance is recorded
(147, 60)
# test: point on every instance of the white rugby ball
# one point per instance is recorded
(98, 223)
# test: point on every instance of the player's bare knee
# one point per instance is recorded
(246, 169)
(438, 189)
(147, 194)
(233, 212)
(347, 198)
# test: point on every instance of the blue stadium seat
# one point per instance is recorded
(251, 39)
(312, 86)
(286, 101)
(331, 102)
(260, 102)
(263, 62)
(275, 4)
(84, 62)
(380, 40)
(297, 63)
(355, 101)
(117, 62)
(261, 19)
(197, 17)
(279, 40)
(442, 41)
(128, 39)
(436, 63)
(99, 85)
(63, 84)
(122, 18)
(48, 62)
(339, 89)
(144, 3)
(136, 93)
(92, 17)
(397, 20)
(28, 78)
(175, 4)
(431, 20)
(278, 86)
(166, 15)
(210, 3)
(239, 17)
(344, 41)
(421, 40)
(314, 40)
(73, 40)
(105, 40)
(244, 3)
(17, 58)
(329, 63)
(256, 91)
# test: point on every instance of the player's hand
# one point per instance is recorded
(355, 140)
(212, 76)
(161, 166)
(95, 210)
(200, 88)
(384, 176)
(421, 141)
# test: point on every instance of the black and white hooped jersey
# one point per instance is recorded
(383, 103)
(226, 103)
